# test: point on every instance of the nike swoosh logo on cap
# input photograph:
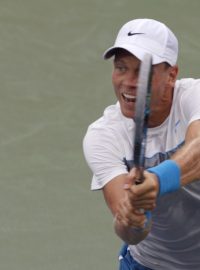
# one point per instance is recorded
(132, 34)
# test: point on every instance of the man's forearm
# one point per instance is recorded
(188, 158)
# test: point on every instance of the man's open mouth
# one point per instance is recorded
(128, 97)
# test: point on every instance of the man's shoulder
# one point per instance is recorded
(187, 83)
(112, 118)
(111, 128)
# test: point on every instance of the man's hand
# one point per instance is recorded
(128, 215)
(143, 195)
(137, 200)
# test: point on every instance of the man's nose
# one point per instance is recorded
(131, 80)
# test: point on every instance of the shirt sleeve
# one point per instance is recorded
(104, 157)
(191, 101)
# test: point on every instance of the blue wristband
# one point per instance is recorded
(168, 173)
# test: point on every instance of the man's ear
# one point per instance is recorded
(173, 73)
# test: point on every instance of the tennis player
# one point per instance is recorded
(170, 239)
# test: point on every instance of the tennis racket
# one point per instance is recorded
(142, 111)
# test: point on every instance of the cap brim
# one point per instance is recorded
(136, 51)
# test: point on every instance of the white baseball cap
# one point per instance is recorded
(143, 36)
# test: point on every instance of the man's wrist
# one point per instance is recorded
(168, 174)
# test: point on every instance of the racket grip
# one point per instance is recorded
(147, 223)
(148, 219)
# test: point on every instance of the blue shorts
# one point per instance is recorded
(127, 262)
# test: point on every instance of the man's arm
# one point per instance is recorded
(129, 223)
(187, 159)
(126, 199)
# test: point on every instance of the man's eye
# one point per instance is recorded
(121, 68)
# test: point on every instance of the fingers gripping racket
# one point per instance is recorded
(142, 111)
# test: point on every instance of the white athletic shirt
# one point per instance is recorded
(174, 241)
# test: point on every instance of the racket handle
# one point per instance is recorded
(148, 219)
(139, 180)
(147, 223)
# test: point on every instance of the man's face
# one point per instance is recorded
(125, 78)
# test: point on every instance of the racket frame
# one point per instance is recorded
(141, 116)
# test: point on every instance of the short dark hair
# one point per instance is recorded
(167, 65)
